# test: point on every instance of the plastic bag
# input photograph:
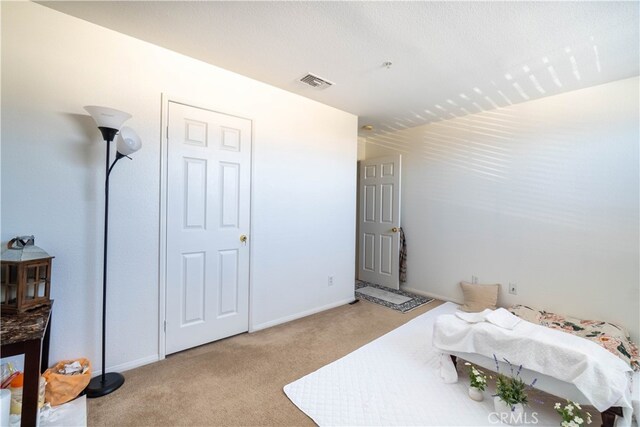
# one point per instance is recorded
(63, 388)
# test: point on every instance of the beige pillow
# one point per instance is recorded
(479, 297)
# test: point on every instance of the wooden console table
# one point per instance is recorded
(28, 333)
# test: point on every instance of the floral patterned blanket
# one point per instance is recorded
(612, 337)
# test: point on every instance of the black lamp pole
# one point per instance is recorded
(105, 383)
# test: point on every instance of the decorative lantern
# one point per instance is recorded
(26, 276)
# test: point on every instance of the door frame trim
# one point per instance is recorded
(360, 211)
(165, 99)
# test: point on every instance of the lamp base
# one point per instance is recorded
(97, 388)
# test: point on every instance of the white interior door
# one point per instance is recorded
(208, 196)
(379, 195)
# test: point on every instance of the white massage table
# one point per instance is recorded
(580, 361)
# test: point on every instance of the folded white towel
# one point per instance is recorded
(473, 317)
(503, 318)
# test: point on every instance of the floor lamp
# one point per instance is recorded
(109, 122)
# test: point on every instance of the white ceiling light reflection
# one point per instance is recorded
(552, 72)
(596, 54)
(555, 72)
(574, 63)
(505, 97)
(522, 93)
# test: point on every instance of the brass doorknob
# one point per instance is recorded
(243, 238)
(395, 229)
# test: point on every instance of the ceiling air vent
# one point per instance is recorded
(316, 82)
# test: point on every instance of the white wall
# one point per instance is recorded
(543, 193)
(304, 176)
(362, 147)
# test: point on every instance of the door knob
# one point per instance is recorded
(395, 229)
(243, 238)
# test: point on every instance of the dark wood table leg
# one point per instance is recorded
(31, 383)
(609, 416)
(44, 364)
(454, 359)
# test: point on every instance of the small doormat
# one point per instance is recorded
(398, 300)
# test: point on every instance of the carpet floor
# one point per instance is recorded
(238, 381)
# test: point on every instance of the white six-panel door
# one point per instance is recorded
(208, 196)
(379, 195)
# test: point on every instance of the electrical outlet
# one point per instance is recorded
(513, 288)
(330, 281)
(474, 279)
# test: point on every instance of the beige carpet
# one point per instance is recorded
(239, 380)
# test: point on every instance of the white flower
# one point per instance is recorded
(577, 405)
(467, 363)
(565, 424)
(578, 420)
(572, 424)
(557, 406)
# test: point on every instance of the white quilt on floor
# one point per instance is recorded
(395, 381)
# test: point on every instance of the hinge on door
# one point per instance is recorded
(165, 326)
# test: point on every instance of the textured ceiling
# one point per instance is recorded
(449, 58)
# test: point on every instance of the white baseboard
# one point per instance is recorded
(431, 295)
(130, 365)
(299, 315)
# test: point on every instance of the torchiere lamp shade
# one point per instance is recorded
(107, 117)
